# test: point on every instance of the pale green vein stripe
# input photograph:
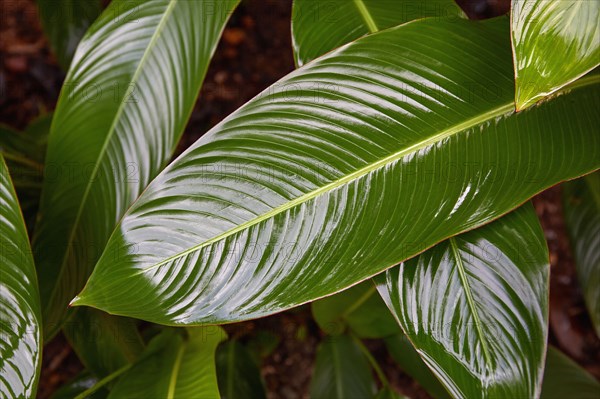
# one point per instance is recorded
(359, 301)
(451, 131)
(364, 12)
(471, 303)
(338, 374)
(490, 115)
(175, 372)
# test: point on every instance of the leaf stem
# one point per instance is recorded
(374, 364)
(22, 160)
(359, 302)
(103, 382)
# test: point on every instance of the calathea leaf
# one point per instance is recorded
(20, 318)
(238, 374)
(476, 307)
(78, 385)
(359, 309)
(289, 198)
(341, 371)
(126, 99)
(563, 378)
(581, 200)
(388, 393)
(403, 353)
(103, 343)
(65, 22)
(24, 153)
(174, 366)
(321, 26)
(554, 42)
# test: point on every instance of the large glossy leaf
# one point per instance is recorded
(320, 26)
(554, 42)
(563, 378)
(344, 168)
(581, 199)
(476, 307)
(20, 319)
(174, 366)
(359, 309)
(65, 22)
(130, 89)
(403, 353)
(237, 372)
(341, 371)
(103, 343)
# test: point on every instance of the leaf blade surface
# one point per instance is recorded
(286, 200)
(20, 318)
(476, 307)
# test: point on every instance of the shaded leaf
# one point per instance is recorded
(65, 22)
(388, 393)
(287, 200)
(174, 366)
(341, 371)
(103, 343)
(20, 319)
(79, 384)
(555, 42)
(24, 153)
(359, 308)
(262, 343)
(238, 374)
(581, 199)
(126, 99)
(476, 307)
(563, 378)
(321, 26)
(411, 363)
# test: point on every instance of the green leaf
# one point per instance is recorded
(321, 26)
(581, 199)
(476, 307)
(237, 372)
(78, 385)
(65, 22)
(262, 344)
(411, 363)
(20, 319)
(359, 308)
(555, 43)
(388, 393)
(24, 153)
(563, 378)
(127, 97)
(290, 198)
(103, 343)
(174, 366)
(341, 371)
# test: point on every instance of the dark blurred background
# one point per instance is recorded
(254, 52)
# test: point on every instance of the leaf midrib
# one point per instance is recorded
(160, 27)
(494, 113)
(338, 371)
(366, 15)
(471, 304)
(175, 371)
(470, 123)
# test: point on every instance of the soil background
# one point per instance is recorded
(254, 52)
